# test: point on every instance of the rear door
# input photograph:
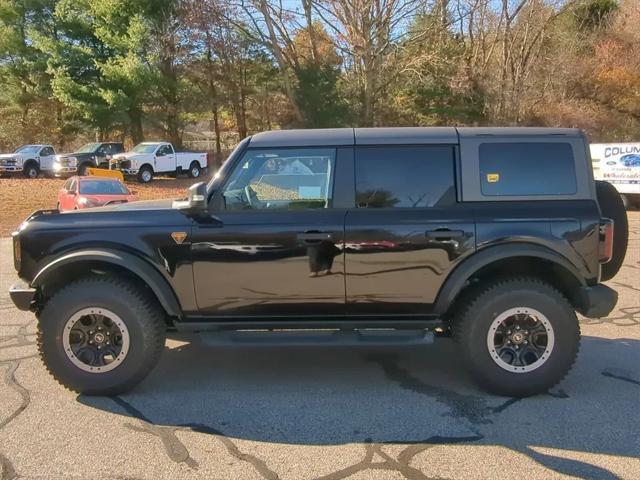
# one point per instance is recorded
(407, 231)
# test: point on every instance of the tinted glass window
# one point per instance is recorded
(404, 177)
(281, 179)
(527, 169)
(46, 151)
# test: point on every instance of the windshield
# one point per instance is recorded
(89, 148)
(103, 187)
(28, 149)
(145, 148)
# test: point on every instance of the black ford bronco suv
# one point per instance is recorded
(494, 236)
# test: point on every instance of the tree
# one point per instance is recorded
(22, 66)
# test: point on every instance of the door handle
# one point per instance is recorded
(314, 237)
(444, 234)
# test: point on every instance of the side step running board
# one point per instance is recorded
(302, 338)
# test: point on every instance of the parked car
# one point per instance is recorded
(87, 192)
(149, 158)
(29, 160)
(87, 156)
(495, 236)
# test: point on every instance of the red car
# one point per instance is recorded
(87, 192)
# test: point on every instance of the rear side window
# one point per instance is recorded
(515, 169)
(404, 177)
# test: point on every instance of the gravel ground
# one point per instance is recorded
(21, 196)
(281, 412)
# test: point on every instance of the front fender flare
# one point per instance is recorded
(457, 280)
(139, 267)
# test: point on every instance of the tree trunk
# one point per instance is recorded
(135, 124)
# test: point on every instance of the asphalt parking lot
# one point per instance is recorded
(281, 412)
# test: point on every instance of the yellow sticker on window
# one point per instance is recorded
(493, 177)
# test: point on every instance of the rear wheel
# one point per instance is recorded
(612, 206)
(517, 336)
(101, 335)
(145, 175)
(194, 170)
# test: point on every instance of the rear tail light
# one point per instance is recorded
(606, 240)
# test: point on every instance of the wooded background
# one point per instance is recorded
(209, 72)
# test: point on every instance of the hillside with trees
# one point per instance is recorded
(185, 70)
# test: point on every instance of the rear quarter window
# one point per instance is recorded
(527, 168)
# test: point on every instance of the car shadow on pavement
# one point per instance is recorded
(387, 395)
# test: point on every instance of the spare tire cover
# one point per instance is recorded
(612, 207)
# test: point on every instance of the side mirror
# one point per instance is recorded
(196, 199)
(159, 154)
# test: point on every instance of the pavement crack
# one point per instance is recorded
(469, 407)
(7, 471)
(260, 465)
(175, 449)
(11, 382)
(400, 464)
(620, 376)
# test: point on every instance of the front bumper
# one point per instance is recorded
(10, 168)
(597, 301)
(64, 171)
(22, 296)
(129, 171)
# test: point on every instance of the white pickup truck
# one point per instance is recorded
(29, 160)
(148, 158)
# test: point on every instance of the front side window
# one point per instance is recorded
(405, 177)
(281, 179)
(520, 169)
(46, 151)
(164, 150)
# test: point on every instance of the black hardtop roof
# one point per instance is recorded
(395, 135)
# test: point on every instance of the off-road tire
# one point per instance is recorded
(141, 174)
(481, 306)
(612, 206)
(139, 310)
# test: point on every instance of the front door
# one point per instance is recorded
(407, 231)
(165, 160)
(273, 242)
(47, 157)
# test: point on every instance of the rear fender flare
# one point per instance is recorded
(137, 266)
(457, 280)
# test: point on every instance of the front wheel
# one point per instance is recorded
(517, 336)
(101, 335)
(145, 175)
(83, 170)
(31, 170)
